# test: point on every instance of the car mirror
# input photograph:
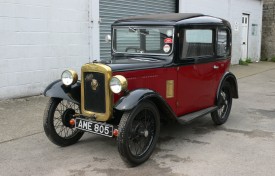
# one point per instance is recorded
(108, 38)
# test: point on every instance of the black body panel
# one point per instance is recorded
(137, 63)
(173, 19)
(194, 115)
(160, 17)
(58, 90)
(133, 98)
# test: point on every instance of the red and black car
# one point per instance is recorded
(163, 67)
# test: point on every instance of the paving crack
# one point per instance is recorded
(14, 139)
(253, 74)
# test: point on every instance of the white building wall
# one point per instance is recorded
(232, 11)
(38, 40)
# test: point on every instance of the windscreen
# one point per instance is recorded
(143, 40)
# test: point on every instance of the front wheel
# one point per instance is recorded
(138, 133)
(224, 103)
(56, 122)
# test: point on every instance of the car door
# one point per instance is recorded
(196, 70)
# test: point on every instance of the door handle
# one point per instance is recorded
(216, 67)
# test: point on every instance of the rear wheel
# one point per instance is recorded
(138, 133)
(224, 103)
(56, 122)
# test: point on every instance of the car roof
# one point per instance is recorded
(173, 19)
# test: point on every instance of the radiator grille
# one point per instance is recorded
(94, 92)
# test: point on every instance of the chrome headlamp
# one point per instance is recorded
(69, 77)
(118, 84)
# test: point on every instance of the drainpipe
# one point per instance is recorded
(94, 22)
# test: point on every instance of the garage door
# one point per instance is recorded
(111, 10)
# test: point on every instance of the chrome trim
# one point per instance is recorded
(123, 81)
(74, 75)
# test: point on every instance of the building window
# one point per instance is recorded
(197, 42)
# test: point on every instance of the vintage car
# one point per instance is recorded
(163, 67)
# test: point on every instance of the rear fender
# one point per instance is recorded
(231, 79)
(58, 90)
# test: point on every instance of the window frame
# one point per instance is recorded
(229, 43)
(203, 58)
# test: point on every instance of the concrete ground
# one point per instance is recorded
(245, 145)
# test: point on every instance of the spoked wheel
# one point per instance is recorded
(221, 115)
(138, 133)
(56, 124)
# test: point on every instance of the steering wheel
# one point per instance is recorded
(137, 50)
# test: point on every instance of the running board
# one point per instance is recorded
(189, 117)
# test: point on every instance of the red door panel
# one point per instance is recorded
(196, 87)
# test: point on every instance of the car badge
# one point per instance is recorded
(94, 84)
(89, 77)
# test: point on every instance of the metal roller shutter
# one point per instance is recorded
(111, 10)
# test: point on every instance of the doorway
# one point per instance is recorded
(245, 26)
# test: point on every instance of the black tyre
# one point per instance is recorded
(224, 103)
(56, 122)
(138, 133)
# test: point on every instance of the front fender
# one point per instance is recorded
(58, 90)
(133, 98)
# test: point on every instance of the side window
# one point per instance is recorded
(223, 43)
(197, 42)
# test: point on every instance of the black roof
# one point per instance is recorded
(168, 17)
(172, 19)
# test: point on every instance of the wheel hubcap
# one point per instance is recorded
(67, 116)
(144, 133)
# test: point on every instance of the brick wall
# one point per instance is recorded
(39, 39)
(268, 31)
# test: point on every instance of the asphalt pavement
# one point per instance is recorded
(243, 146)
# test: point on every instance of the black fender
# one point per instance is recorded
(133, 98)
(58, 90)
(231, 78)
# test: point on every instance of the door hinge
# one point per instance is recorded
(178, 104)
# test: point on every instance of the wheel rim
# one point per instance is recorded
(224, 103)
(143, 130)
(61, 129)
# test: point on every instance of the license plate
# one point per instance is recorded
(94, 127)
